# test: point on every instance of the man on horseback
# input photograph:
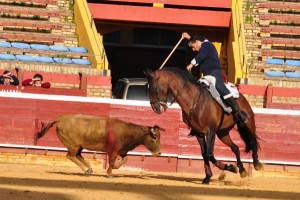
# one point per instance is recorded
(208, 58)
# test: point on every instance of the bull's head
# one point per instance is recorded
(152, 143)
(157, 93)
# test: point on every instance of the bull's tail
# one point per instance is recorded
(43, 131)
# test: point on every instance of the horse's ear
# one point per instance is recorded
(149, 73)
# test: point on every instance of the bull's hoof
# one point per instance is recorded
(88, 172)
(243, 173)
(206, 180)
(258, 166)
(232, 168)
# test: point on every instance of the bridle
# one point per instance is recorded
(159, 100)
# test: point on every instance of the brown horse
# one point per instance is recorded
(204, 115)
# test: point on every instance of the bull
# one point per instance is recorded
(113, 136)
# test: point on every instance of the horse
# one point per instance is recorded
(204, 115)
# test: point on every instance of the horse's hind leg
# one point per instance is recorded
(227, 140)
(208, 172)
(210, 154)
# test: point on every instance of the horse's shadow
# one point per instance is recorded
(145, 176)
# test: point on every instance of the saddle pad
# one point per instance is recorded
(233, 90)
(207, 80)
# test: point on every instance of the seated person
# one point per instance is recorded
(37, 81)
(7, 78)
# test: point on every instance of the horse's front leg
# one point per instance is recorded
(208, 172)
(211, 136)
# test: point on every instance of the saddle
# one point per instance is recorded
(209, 83)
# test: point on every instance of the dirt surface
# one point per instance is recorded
(42, 182)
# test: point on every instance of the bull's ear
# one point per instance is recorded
(153, 133)
(159, 128)
(149, 73)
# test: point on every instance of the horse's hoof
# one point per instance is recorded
(206, 180)
(243, 174)
(88, 172)
(258, 166)
(232, 168)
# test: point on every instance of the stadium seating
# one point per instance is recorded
(275, 74)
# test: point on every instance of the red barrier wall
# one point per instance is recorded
(21, 115)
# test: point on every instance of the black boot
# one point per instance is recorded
(239, 116)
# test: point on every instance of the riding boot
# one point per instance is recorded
(239, 116)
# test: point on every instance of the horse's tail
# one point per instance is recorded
(43, 131)
(250, 139)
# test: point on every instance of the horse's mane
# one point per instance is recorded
(186, 76)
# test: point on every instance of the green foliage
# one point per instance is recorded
(36, 17)
(66, 18)
(249, 19)
(251, 64)
(8, 52)
(61, 55)
(71, 5)
(248, 5)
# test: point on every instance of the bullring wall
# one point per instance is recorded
(21, 116)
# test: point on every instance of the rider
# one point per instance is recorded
(208, 58)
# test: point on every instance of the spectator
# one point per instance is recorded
(7, 78)
(37, 81)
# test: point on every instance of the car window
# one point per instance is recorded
(138, 92)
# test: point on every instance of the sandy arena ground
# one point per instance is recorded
(21, 181)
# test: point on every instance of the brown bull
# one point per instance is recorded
(113, 136)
